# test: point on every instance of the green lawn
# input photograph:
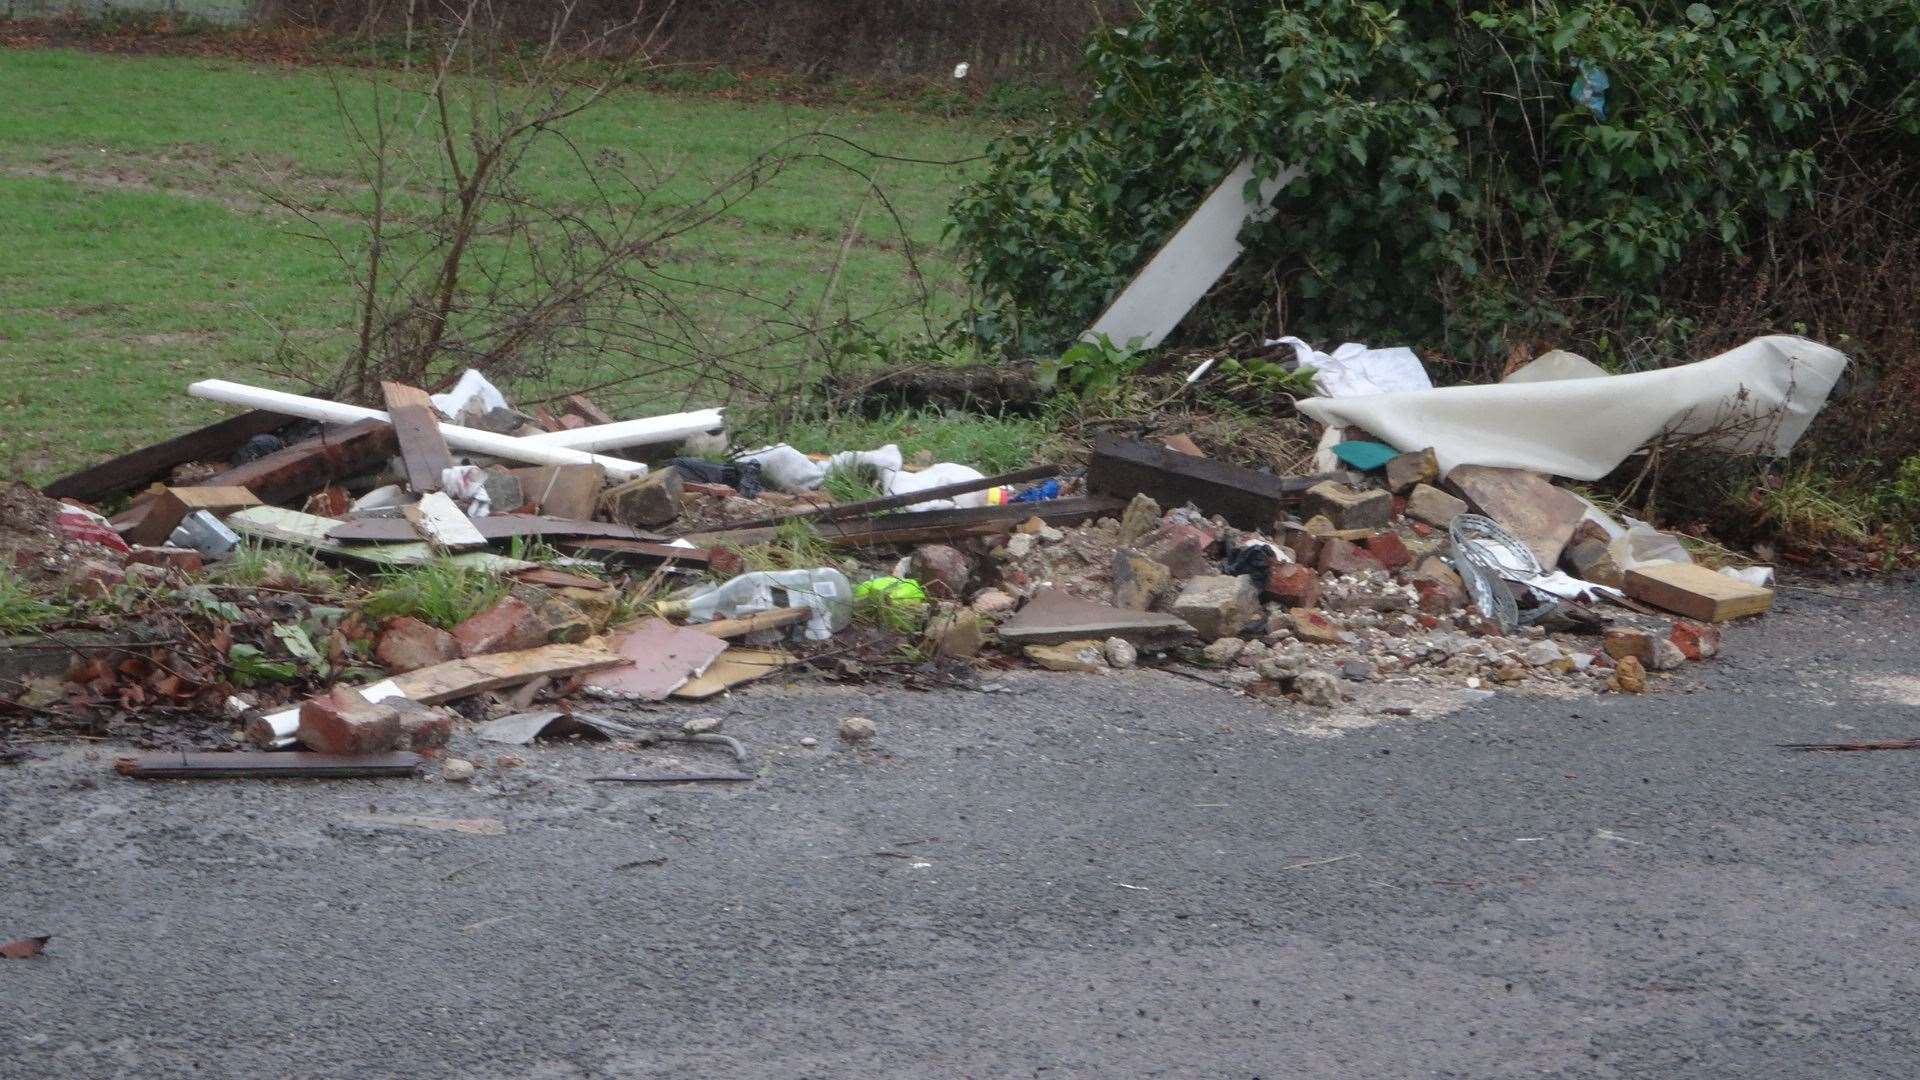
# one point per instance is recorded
(137, 254)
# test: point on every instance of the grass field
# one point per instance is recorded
(137, 252)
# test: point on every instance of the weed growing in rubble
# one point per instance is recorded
(439, 592)
(20, 611)
(796, 545)
(851, 485)
(254, 563)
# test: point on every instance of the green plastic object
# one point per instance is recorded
(892, 590)
(1365, 456)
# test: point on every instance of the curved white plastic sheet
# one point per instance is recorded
(1766, 392)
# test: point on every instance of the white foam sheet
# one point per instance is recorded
(1582, 428)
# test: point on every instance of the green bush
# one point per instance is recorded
(1460, 192)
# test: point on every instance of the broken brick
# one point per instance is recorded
(1389, 549)
(1697, 641)
(505, 627)
(407, 644)
(422, 727)
(942, 569)
(1294, 585)
(1348, 507)
(1314, 626)
(1179, 547)
(185, 560)
(1344, 557)
(342, 721)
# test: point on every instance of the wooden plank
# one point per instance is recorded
(166, 510)
(416, 427)
(735, 667)
(933, 524)
(304, 468)
(865, 507)
(275, 525)
(493, 527)
(761, 620)
(1696, 592)
(584, 408)
(476, 674)
(632, 552)
(142, 467)
(441, 524)
(275, 766)
(1123, 468)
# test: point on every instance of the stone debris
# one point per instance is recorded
(857, 729)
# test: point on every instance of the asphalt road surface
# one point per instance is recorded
(1120, 876)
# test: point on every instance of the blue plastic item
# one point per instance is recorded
(1365, 456)
(1040, 492)
(1590, 89)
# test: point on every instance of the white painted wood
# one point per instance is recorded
(460, 438)
(1182, 271)
(624, 433)
(439, 522)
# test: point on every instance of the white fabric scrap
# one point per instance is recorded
(467, 485)
(785, 469)
(901, 482)
(1582, 428)
(1354, 370)
(472, 387)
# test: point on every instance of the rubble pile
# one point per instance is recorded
(344, 596)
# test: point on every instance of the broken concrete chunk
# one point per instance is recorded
(1666, 655)
(1629, 677)
(1218, 605)
(507, 626)
(941, 569)
(1317, 688)
(1348, 507)
(1525, 504)
(1313, 626)
(1052, 617)
(1138, 580)
(1224, 651)
(407, 644)
(955, 631)
(1433, 506)
(1418, 467)
(1622, 642)
(1180, 547)
(858, 729)
(1141, 517)
(1593, 560)
(1121, 653)
(653, 499)
(422, 727)
(1076, 656)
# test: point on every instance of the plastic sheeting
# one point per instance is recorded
(1765, 393)
(1354, 370)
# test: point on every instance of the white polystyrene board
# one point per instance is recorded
(1182, 271)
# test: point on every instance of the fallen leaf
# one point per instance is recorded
(26, 947)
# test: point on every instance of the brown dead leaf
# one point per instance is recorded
(25, 948)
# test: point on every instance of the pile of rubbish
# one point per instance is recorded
(646, 561)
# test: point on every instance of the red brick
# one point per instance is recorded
(1389, 549)
(1696, 640)
(1342, 557)
(341, 721)
(407, 644)
(505, 627)
(1179, 547)
(1293, 585)
(94, 578)
(186, 560)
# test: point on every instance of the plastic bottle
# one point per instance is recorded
(825, 591)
